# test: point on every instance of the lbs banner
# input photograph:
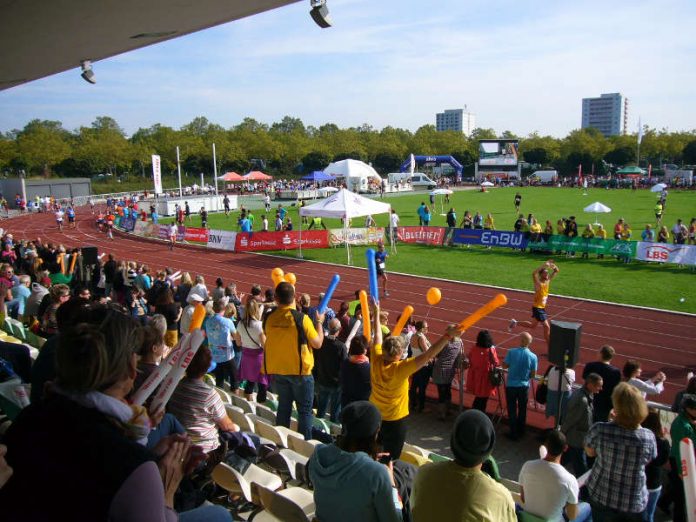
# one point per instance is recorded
(255, 241)
(499, 238)
(421, 235)
(666, 253)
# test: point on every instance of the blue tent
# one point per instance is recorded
(317, 176)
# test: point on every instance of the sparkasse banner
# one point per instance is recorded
(255, 241)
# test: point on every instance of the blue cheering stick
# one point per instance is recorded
(372, 274)
(329, 293)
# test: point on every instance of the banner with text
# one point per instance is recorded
(143, 228)
(254, 241)
(356, 236)
(199, 235)
(666, 253)
(157, 173)
(222, 239)
(421, 235)
(607, 247)
(501, 238)
(128, 223)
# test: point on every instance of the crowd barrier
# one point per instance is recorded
(436, 236)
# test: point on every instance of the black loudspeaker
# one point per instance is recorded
(89, 255)
(564, 345)
(320, 15)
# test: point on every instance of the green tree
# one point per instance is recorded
(43, 144)
(689, 153)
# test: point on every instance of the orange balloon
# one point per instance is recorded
(433, 296)
(290, 278)
(278, 276)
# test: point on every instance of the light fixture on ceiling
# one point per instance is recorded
(87, 73)
(320, 13)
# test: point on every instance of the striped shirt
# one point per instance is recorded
(618, 479)
(198, 407)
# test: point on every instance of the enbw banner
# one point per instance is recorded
(500, 238)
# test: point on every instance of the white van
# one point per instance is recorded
(422, 181)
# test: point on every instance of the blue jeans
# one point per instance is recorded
(298, 389)
(584, 512)
(517, 397)
(328, 398)
(206, 514)
(653, 497)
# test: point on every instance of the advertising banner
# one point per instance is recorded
(128, 223)
(199, 235)
(666, 253)
(607, 247)
(157, 173)
(356, 236)
(421, 235)
(255, 241)
(501, 238)
(143, 228)
(222, 239)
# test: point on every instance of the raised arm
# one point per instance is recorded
(377, 327)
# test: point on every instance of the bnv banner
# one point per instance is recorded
(421, 235)
(502, 238)
(356, 236)
(666, 253)
(222, 239)
(255, 241)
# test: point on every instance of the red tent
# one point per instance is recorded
(257, 175)
(232, 176)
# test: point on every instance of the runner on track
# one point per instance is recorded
(542, 277)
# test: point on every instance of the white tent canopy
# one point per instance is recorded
(345, 205)
(349, 168)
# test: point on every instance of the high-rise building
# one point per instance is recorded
(459, 120)
(608, 113)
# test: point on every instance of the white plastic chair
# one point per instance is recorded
(247, 406)
(296, 442)
(226, 397)
(237, 415)
(234, 482)
(288, 505)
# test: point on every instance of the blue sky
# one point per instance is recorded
(518, 65)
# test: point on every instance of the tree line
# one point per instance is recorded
(288, 147)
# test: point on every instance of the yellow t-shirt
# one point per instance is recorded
(535, 228)
(541, 294)
(390, 384)
(281, 355)
(601, 233)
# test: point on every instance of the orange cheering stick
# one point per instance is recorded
(197, 318)
(495, 303)
(367, 332)
(405, 316)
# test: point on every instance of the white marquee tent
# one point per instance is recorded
(344, 205)
(356, 173)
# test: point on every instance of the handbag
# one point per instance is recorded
(495, 374)
(542, 391)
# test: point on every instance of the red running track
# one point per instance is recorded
(660, 340)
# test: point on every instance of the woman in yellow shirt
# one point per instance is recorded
(600, 233)
(587, 234)
(489, 222)
(389, 376)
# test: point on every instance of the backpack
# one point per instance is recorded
(298, 317)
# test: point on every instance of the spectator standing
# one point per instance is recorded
(577, 422)
(171, 311)
(222, 333)
(419, 345)
(451, 219)
(653, 470)
(567, 381)
(653, 386)
(521, 363)
(443, 372)
(327, 365)
(483, 357)
(548, 490)
(252, 340)
(458, 490)
(617, 484)
(611, 376)
(291, 337)
(199, 288)
(355, 373)
(421, 213)
(393, 224)
(690, 388)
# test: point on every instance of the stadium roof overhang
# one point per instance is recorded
(39, 38)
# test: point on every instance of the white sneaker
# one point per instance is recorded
(511, 326)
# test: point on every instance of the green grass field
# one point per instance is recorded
(638, 283)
